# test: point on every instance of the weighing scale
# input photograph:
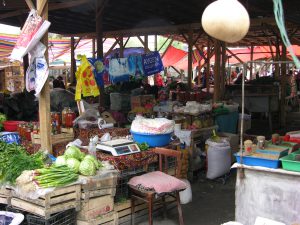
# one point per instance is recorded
(119, 147)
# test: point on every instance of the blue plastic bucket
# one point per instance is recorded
(153, 140)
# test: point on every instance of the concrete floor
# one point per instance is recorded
(213, 203)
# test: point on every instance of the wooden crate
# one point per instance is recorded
(97, 186)
(59, 200)
(96, 207)
(110, 218)
(5, 195)
(55, 138)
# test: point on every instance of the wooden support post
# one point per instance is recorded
(190, 59)
(164, 43)
(283, 87)
(25, 66)
(277, 59)
(155, 42)
(251, 59)
(73, 62)
(169, 45)
(30, 4)
(99, 27)
(223, 70)
(121, 44)
(217, 71)
(208, 66)
(94, 47)
(99, 36)
(199, 73)
(44, 100)
(144, 43)
(146, 48)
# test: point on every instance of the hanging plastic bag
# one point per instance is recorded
(33, 30)
(99, 70)
(86, 83)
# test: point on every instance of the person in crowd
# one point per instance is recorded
(59, 83)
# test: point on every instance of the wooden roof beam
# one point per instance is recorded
(51, 7)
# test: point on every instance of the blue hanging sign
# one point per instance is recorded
(152, 63)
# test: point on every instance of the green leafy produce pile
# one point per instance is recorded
(2, 119)
(77, 161)
(54, 176)
(14, 160)
(143, 146)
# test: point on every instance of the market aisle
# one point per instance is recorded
(213, 204)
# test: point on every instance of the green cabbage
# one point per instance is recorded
(87, 168)
(82, 155)
(94, 160)
(73, 164)
(60, 160)
(73, 152)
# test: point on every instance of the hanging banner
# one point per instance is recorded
(152, 63)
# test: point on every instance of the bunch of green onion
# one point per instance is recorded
(54, 176)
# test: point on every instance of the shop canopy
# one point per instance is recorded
(58, 48)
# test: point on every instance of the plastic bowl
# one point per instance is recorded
(153, 140)
(11, 125)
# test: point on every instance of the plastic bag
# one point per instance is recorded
(33, 30)
(88, 120)
(86, 83)
(11, 218)
(218, 158)
(186, 195)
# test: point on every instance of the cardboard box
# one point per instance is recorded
(96, 207)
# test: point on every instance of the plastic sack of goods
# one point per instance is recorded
(152, 126)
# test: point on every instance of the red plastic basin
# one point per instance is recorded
(11, 125)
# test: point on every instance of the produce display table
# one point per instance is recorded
(269, 193)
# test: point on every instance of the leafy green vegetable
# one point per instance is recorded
(14, 160)
(20, 162)
(61, 160)
(73, 164)
(87, 168)
(143, 146)
(94, 160)
(54, 176)
(73, 152)
(2, 119)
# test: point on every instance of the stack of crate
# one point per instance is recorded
(5, 195)
(97, 200)
(56, 201)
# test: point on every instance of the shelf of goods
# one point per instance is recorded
(12, 78)
(65, 135)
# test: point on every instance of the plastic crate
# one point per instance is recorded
(289, 162)
(67, 217)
